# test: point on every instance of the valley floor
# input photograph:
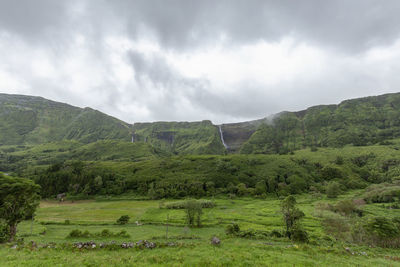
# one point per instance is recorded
(54, 222)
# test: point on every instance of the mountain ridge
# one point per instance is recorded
(36, 120)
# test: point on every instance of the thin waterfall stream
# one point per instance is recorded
(222, 137)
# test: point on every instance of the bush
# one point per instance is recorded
(383, 232)
(346, 208)
(276, 233)
(124, 219)
(298, 234)
(333, 190)
(4, 232)
(193, 213)
(205, 204)
(232, 229)
(339, 160)
(78, 233)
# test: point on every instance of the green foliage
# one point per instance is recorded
(19, 199)
(204, 203)
(333, 189)
(359, 122)
(4, 232)
(291, 218)
(194, 212)
(124, 219)
(232, 229)
(382, 228)
(34, 120)
(382, 193)
(298, 234)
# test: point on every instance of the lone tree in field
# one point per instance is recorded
(19, 199)
(193, 213)
(291, 215)
(124, 219)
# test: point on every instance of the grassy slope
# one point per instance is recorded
(35, 120)
(31, 156)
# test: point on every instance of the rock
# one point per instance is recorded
(33, 244)
(215, 241)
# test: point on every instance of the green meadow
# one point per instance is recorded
(150, 219)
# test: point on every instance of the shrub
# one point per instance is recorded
(339, 160)
(124, 219)
(4, 232)
(346, 208)
(298, 234)
(333, 189)
(78, 233)
(330, 172)
(276, 233)
(193, 213)
(205, 204)
(232, 229)
(291, 214)
(383, 231)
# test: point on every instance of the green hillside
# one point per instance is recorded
(20, 158)
(28, 120)
(35, 120)
(204, 175)
(181, 137)
(363, 121)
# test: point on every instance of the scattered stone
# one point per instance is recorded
(33, 244)
(14, 247)
(215, 241)
(127, 245)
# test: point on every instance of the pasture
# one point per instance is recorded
(149, 219)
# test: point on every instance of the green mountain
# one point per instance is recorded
(28, 120)
(359, 122)
(35, 120)
(181, 137)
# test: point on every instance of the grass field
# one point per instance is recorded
(193, 244)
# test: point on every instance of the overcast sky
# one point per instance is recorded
(190, 60)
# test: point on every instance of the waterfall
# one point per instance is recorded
(222, 137)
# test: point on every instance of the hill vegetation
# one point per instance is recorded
(360, 122)
(35, 120)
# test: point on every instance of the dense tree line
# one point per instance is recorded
(359, 122)
(201, 176)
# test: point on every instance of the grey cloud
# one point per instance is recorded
(347, 25)
(351, 26)
(32, 19)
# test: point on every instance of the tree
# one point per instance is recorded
(333, 189)
(193, 212)
(124, 219)
(291, 215)
(19, 198)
